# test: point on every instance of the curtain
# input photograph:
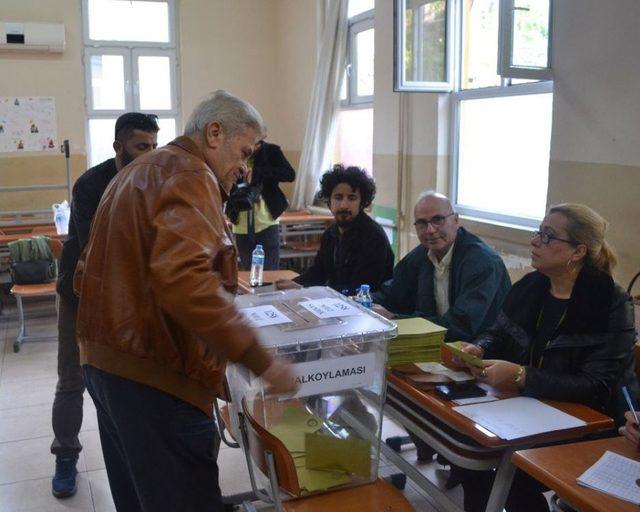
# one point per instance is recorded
(325, 99)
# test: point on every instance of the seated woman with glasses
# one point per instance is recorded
(566, 332)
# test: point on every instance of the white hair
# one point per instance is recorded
(233, 114)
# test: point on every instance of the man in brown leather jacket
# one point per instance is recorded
(156, 319)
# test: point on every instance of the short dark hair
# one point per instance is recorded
(356, 177)
(130, 121)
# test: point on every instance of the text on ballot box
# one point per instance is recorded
(260, 316)
(329, 308)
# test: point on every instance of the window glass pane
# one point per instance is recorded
(107, 82)
(480, 43)
(530, 33)
(425, 41)
(343, 87)
(167, 131)
(128, 20)
(101, 140)
(358, 6)
(503, 162)
(354, 138)
(154, 75)
(365, 60)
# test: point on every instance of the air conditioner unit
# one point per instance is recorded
(31, 37)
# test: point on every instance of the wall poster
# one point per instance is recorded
(28, 123)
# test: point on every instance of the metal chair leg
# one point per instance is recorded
(21, 329)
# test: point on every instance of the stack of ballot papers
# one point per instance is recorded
(429, 375)
(322, 461)
(418, 341)
(616, 475)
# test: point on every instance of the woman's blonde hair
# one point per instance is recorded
(586, 226)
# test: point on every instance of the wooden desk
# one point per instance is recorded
(268, 276)
(466, 444)
(558, 467)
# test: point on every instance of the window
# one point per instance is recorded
(354, 126)
(130, 65)
(501, 111)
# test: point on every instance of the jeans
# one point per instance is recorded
(270, 240)
(160, 452)
(66, 415)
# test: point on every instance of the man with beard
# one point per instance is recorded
(354, 250)
(135, 134)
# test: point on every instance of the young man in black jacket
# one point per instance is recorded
(354, 250)
(135, 134)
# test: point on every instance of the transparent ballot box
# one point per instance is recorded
(326, 434)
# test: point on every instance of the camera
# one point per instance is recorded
(241, 199)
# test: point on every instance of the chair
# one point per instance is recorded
(19, 291)
(270, 455)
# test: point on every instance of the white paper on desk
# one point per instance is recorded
(329, 308)
(522, 416)
(614, 474)
(475, 400)
(261, 316)
(439, 369)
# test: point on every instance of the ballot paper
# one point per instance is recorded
(439, 369)
(455, 348)
(615, 475)
(518, 417)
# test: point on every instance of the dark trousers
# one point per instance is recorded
(270, 240)
(66, 415)
(160, 452)
(525, 494)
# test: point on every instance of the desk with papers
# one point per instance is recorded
(559, 468)
(457, 433)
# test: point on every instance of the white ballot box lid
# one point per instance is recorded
(312, 318)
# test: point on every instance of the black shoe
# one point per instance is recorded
(63, 484)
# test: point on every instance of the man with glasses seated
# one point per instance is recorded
(452, 278)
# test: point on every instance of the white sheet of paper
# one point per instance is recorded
(261, 316)
(614, 474)
(330, 308)
(522, 416)
(475, 400)
(432, 367)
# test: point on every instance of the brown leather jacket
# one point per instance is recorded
(157, 280)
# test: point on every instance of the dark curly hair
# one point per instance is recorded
(356, 177)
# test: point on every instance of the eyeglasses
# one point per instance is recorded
(436, 221)
(546, 238)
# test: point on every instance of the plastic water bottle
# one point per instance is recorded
(364, 297)
(257, 266)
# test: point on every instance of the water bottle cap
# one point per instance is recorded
(364, 287)
(258, 246)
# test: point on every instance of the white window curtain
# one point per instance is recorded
(325, 100)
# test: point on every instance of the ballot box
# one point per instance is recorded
(327, 433)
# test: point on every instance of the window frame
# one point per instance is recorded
(131, 50)
(459, 95)
(357, 24)
(399, 82)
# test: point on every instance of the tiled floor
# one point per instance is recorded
(27, 384)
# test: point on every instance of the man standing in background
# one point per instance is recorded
(135, 134)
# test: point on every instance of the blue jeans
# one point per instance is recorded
(270, 240)
(160, 452)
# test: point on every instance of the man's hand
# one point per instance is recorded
(499, 374)
(279, 378)
(286, 284)
(382, 311)
(631, 431)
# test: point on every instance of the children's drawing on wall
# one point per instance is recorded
(27, 123)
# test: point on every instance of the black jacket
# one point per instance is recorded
(271, 167)
(86, 196)
(591, 354)
(360, 255)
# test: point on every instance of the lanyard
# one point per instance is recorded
(538, 322)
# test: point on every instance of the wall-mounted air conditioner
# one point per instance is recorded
(31, 37)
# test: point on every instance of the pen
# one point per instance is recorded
(625, 392)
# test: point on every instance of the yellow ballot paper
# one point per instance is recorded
(295, 423)
(332, 453)
(455, 348)
(312, 480)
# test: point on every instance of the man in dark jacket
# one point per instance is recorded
(135, 134)
(452, 278)
(354, 250)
